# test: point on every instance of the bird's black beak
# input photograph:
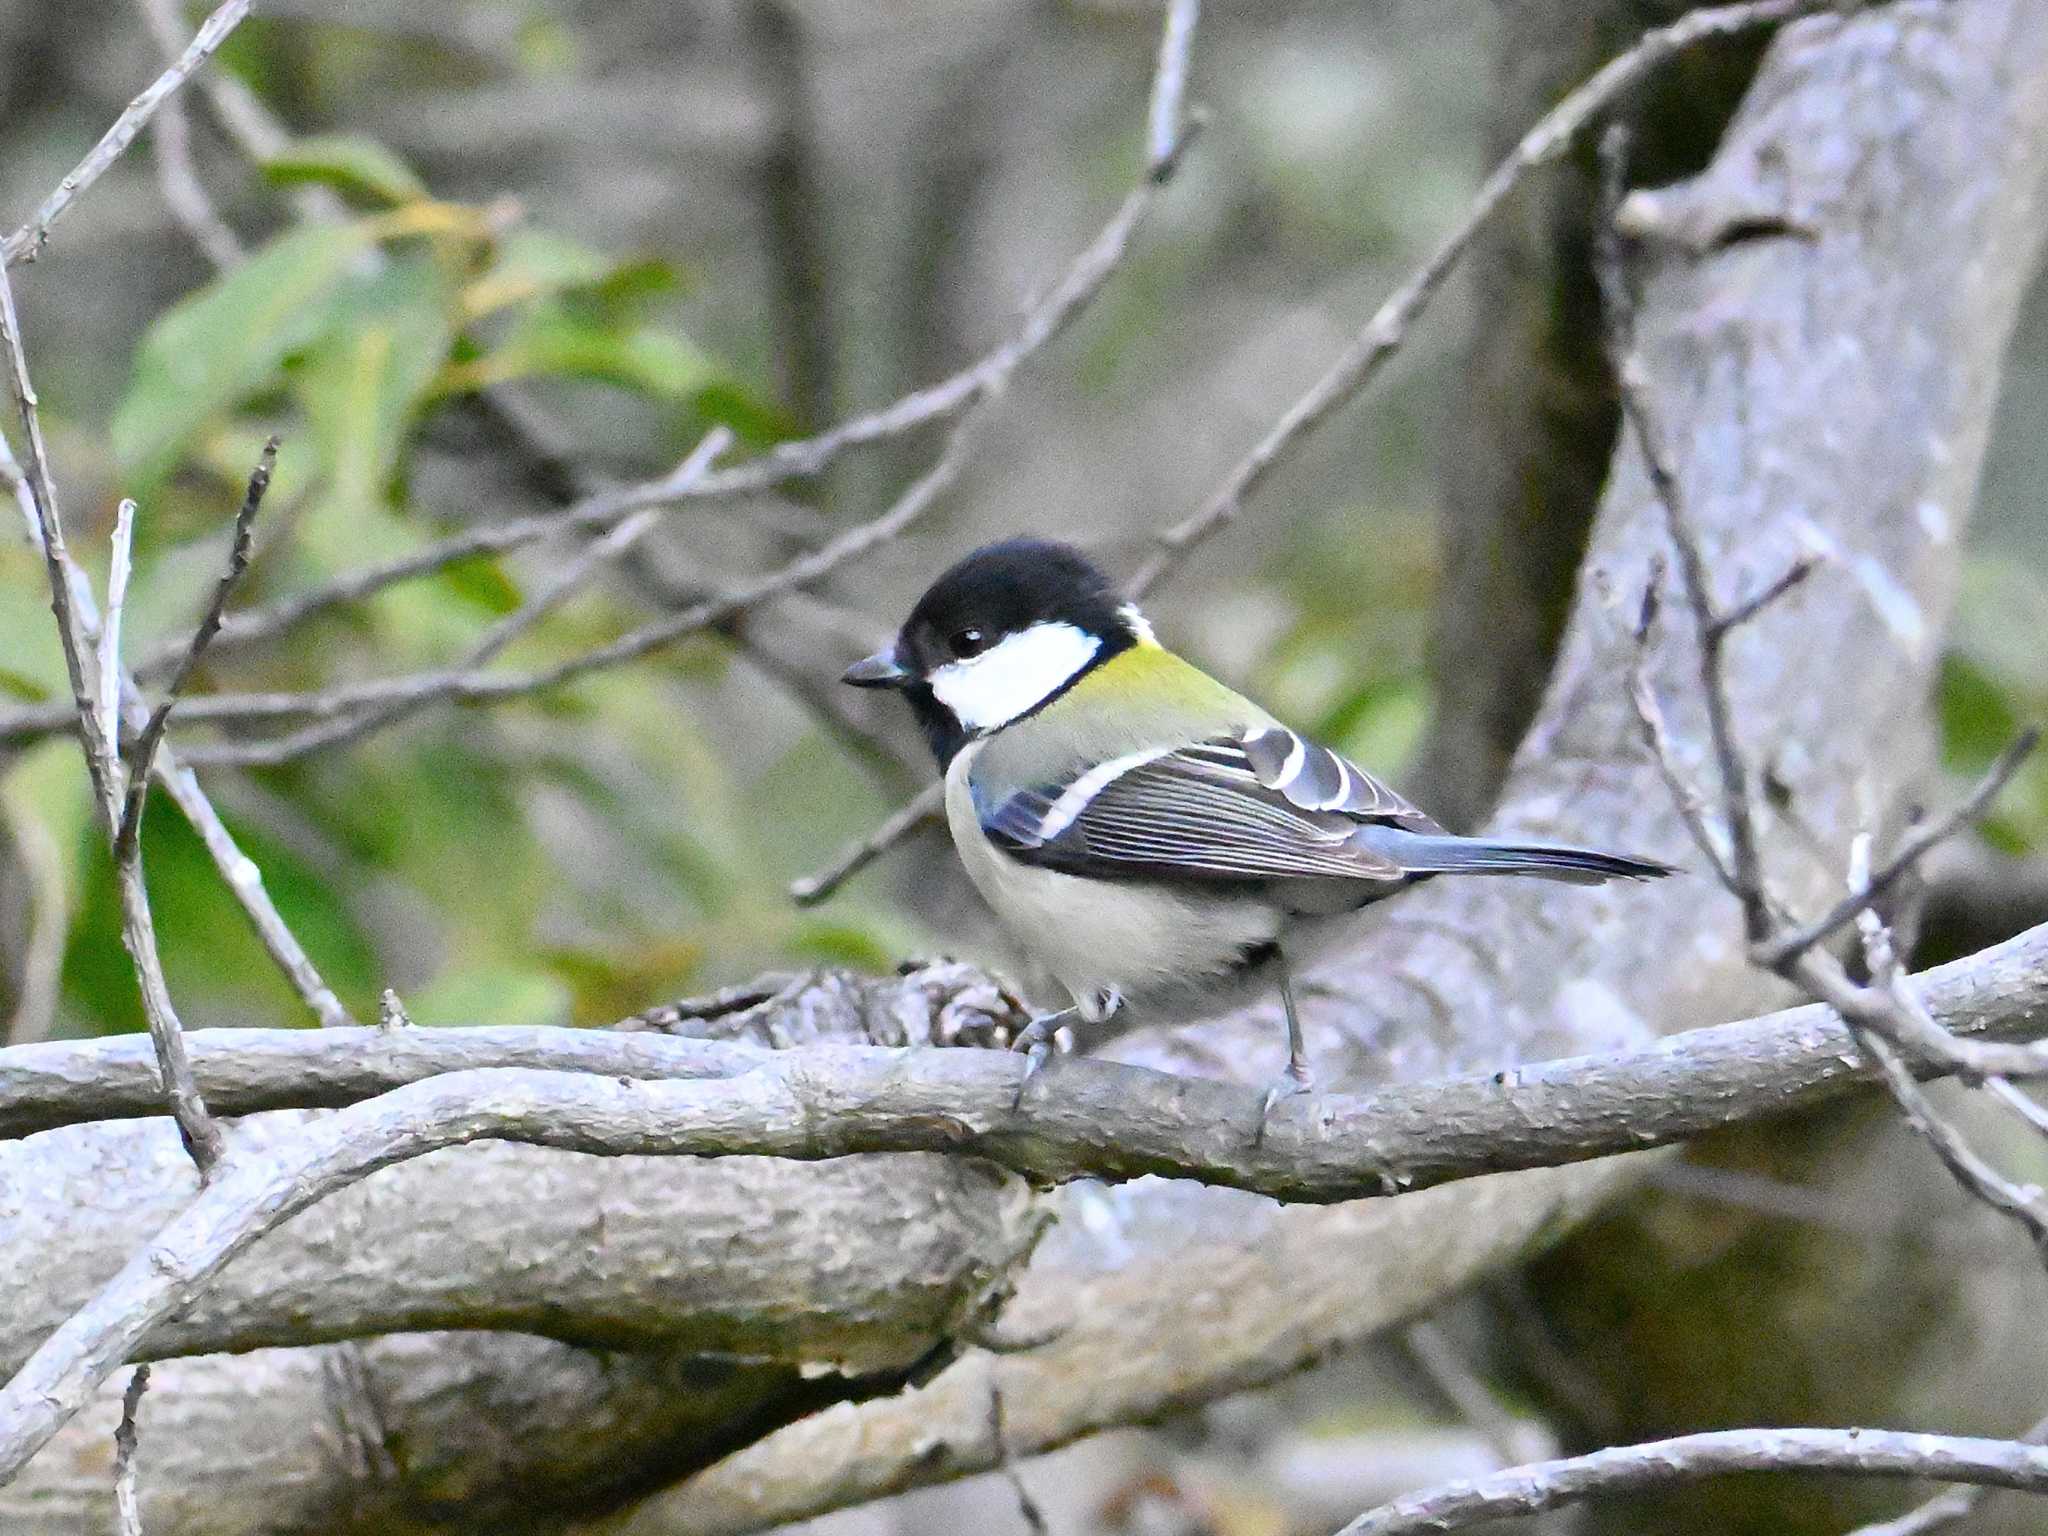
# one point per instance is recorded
(881, 670)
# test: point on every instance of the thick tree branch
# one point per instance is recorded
(1662, 1463)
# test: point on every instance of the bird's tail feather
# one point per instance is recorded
(1433, 854)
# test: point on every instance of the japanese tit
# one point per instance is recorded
(1144, 832)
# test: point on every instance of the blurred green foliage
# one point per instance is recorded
(455, 855)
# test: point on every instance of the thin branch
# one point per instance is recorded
(1166, 113)
(47, 533)
(107, 698)
(797, 459)
(127, 1502)
(1027, 1507)
(245, 879)
(1915, 846)
(1656, 732)
(69, 594)
(170, 143)
(236, 868)
(209, 625)
(1459, 1385)
(924, 808)
(573, 577)
(1686, 1459)
(1769, 592)
(470, 687)
(1388, 328)
(1944, 1509)
(26, 242)
(1744, 869)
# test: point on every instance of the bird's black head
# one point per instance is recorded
(1000, 635)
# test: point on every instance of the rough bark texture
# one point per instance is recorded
(1533, 409)
(1827, 386)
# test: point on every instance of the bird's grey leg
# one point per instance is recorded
(1035, 1041)
(1298, 1078)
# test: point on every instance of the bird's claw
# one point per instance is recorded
(1292, 1083)
(1035, 1041)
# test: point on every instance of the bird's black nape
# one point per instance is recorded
(1002, 589)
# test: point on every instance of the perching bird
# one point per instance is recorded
(1139, 828)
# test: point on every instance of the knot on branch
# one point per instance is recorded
(938, 1002)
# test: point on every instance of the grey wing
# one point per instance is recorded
(1317, 779)
(1199, 812)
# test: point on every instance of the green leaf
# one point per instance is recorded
(350, 163)
(542, 261)
(482, 584)
(228, 340)
(15, 685)
(491, 995)
(630, 282)
(554, 338)
(1978, 720)
(755, 421)
(362, 381)
(215, 964)
(34, 659)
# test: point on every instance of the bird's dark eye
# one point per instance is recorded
(963, 643)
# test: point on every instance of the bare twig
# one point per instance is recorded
(47, 531)
(1027, 1507)
(1944, 1509)
(243, 878)
(1165, 113)
(1454, 1379)
(1388, 328)
(1743, 871)
(810, 889)
(170, 143)
(1915, 846)
(69, 591)
(25, 242)
(1546, 1485)
(2025, 1205)
(107, 697)
(1686, 795)
(209, 625)
(469, 687)
(127, 1502)
(573, 577)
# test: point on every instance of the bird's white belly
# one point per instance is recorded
(1133, 939)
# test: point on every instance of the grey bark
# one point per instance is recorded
(1533, 410)
(1909, 145)
(624, 1275)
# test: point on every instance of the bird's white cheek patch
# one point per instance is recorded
(1014, 675)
